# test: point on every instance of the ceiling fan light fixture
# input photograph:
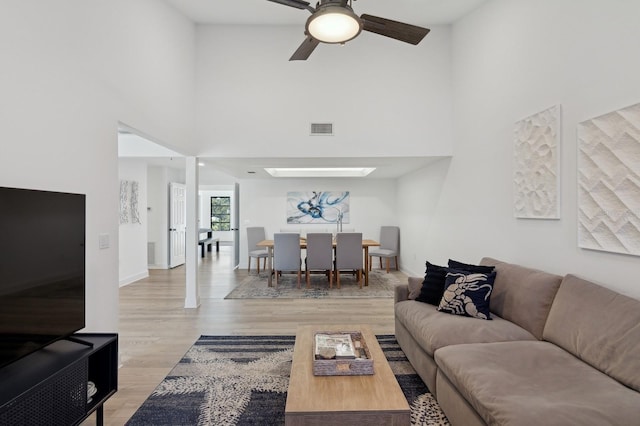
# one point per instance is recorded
(334, 24)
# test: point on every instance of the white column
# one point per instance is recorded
(192, 299)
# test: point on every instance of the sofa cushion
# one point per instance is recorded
(467, 293)
(522, 295)
(434, 330)
(598, 326)
(532, 383)
(433, 284)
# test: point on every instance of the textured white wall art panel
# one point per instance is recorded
(609, 182)
(135, 213)
(124, 204)
(536, 165)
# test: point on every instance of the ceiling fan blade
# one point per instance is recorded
(398, 30)
(298, 4)
(306, 48)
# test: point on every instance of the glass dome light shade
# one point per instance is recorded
(334, 24)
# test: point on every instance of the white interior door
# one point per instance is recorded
(177, 223)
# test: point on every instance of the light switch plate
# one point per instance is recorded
(103, 241)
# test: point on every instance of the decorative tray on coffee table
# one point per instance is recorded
(341, 353)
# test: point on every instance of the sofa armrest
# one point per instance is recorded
(401, 293)
(411, 290)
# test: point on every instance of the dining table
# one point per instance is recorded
(366, 243)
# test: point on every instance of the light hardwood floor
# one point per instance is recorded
(156, 331)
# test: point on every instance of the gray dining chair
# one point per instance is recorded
(319, 256)
(389, 245)
(255, 234)
(286, 254)
(349, 254)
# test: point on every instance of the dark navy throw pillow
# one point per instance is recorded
(433, 284)
(467, 293)
(471, 268)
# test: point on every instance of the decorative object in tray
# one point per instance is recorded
(342, 353)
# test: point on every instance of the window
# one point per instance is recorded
(221, 213)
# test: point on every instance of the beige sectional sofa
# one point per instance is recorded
(558, 351)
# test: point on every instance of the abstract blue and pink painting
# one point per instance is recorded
(318, 207)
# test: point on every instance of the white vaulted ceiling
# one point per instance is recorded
(264, 12)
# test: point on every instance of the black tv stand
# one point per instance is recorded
(80, 341)
(49, 386)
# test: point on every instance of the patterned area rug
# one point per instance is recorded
(243, 380)
(381, 285)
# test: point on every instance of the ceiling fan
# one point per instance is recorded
(333, 21)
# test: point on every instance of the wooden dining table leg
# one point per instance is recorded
(270, 265)
(366, 265)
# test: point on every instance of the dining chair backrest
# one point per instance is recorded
(349, 250)
(286, 251)
(319, 251)
(255, 234)
(389, 238)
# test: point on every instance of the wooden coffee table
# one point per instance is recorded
(321, 400)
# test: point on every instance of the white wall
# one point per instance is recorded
(512, 59)
(132, 258)
(71, 70)
(263, 203)
(384, 97)
(419, 194)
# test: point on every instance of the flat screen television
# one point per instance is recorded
(42, 269)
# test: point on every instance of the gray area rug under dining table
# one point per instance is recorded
(381, 285)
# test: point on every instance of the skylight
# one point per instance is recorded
(319, 171)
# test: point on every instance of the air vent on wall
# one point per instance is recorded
(321, 129)
(151, 253)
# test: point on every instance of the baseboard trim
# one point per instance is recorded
(157, 267)
(133, 278)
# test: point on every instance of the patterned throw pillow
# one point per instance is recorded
(467, 293)
(433, 284)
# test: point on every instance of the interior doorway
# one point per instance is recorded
(151, 167)
(145, 168)
(150, 244)
(218, 212)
